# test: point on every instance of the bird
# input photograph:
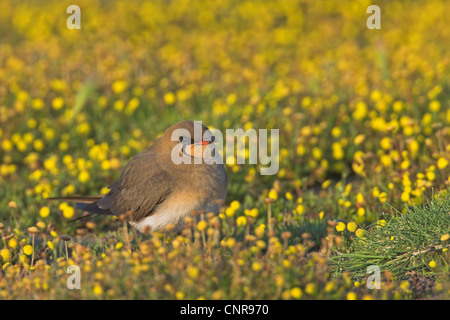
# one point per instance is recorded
(166, 182)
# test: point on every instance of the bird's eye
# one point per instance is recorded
(212, 139)
(180, 138)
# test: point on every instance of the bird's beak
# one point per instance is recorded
(206, 142)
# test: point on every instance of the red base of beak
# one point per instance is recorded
(205, 142)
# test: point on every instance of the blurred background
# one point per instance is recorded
(373, 105)
(363, 114)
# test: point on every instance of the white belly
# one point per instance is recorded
(173, 214)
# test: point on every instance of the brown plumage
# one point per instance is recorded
(154, 191)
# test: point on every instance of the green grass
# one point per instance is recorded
(406, 242)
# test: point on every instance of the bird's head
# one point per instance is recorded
(190, 138)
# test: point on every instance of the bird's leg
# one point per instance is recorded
(124, 218)
(136, 236)
(125, 234)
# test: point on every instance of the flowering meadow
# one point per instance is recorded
(364, 131)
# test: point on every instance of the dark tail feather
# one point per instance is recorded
(82, 219)
(88, 204)
(92, 208)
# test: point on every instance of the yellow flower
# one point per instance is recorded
(360, 212)
(273, 194)
(132, 105)
(104, 190)
(300, 209)
(311, 288)
(445, 237)
(336, 132)
(348, 188)
(252, 213)
(351, 296)
(67, 190)
(279, 280)
(13, 243)
(119, 86)
(260, 231)
(340, 226)
(98, 290)
(7, 145)
(330, 286)
(119, 105)
(375, 192)
(68, 212)
(431, 175)
(201, 225)
(57, 103)
(235, 205)
(28, 250)
(405, 196)
(192, 272)
(83, 176)
(296, 293)
(169, 98)
(442, 163)
(386, 160)
(5, 254)
(359, 233)
(435, 106)
(382, 197)
(51, 245)
(44, 212)
(360, 111)
(83, 128)
(40, 224)
(351, 226)
(338, 152)
(404, 285)
(432, 264)
(326, 184)
(119, 245)
(317, 153)
(37, 104)
(381, 223)
(359, 139)
(385, 143)
(405, 164)
(38, 144)
(230, 242)
(230, 212)
(359, 198)
(105, 164)
(241, 221)
(125, 150)
(256, 266)
(413, 148)
(301, 150)
(321, 214)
